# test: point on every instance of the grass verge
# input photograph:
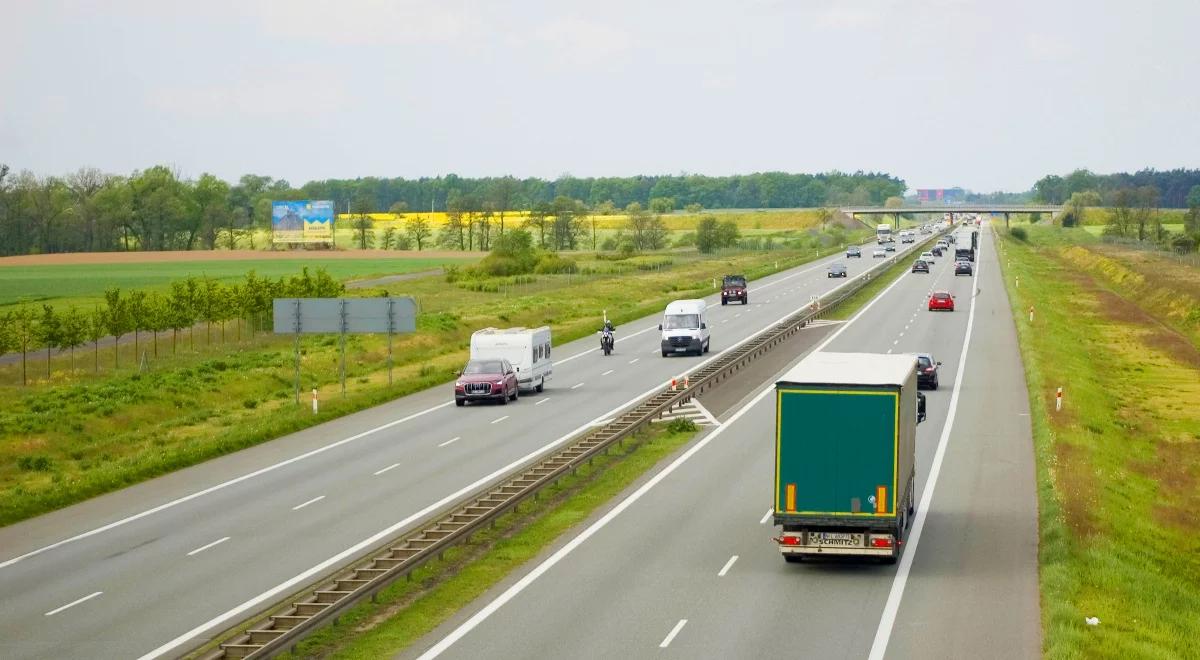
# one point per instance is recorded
(1118, 468)
(406, 611)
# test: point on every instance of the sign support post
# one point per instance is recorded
(342, 343)
(391, 331)
(296, 326)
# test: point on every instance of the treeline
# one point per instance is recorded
(188, 302)
(157, 209)
(1173, 186)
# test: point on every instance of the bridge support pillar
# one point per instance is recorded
(1006, 220)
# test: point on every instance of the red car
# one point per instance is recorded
(941, 300)
(486, 380)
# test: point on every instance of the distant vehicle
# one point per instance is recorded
(878, 254)
(927, 256)
(845, 463)
(837, 270)
(854, 251)
(526, 349)
(963, 268)
(951, 239)
(907, 237)
(685, 328)
(733, 287)
(890, 246)
(883, 233)
(943, 244)
(927, 371)
(936, 251)
(941, 300)
(920, 266)
(964, 254)
(486, 380)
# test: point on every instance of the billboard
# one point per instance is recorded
(941, 195)
(304, 221)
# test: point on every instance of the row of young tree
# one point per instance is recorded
(188, 302)
(1174, 187)
(158, 209)
(1134, 213)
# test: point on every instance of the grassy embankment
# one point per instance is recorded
(79, 435)
(1119, 467)
(84, 284)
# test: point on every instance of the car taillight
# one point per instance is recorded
(881, 542)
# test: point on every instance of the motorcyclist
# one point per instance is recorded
(607, 334)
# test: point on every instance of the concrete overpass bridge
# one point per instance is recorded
(1006, 209)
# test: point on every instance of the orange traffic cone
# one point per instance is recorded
(672, 384)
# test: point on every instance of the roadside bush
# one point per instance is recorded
(681, 425)
(1019, 234)
(34, 463)
(551, 263)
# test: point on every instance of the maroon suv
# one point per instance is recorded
(486, 380)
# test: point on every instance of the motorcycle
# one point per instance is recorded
(607, 341)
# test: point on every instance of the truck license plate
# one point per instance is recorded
(836, 538)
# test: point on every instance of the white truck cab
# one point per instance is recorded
(527, 349)
(685, 328)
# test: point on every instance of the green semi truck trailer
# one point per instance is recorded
(845, 455)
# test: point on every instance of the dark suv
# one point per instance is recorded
(837, 270)
(733, 287)
(486, 380)
(854, 251)
(927, 371)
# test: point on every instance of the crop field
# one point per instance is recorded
(84, 283)
(772, 219)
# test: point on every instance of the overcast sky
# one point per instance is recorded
(987, 95)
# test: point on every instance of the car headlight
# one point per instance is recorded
(500, 382)
(458, 383)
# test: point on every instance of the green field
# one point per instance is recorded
(82, 284)
(1119, 467)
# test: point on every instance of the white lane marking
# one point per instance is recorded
(393, 466)
(542, 401)
(735, 316)
(312, 501)
(728, 565)
(893, 344)
(900, 335)
(704, 411)
(457, 438)
(634, 360)
(766, 516)
(500, 419)
(671, 635)
(888, 619)
(206, 547)
(727, 321)
(577, 386)
(889, 351)
(73, 603)
(609, 372)
(291, 583)
(222, 485)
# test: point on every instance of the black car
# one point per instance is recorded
(837, 270)
(963, 268)
(927, 371)
(854, 251)
(936, 250)
(920, 266)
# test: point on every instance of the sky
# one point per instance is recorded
(988, 95)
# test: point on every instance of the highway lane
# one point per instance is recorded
(688, 568)
(305, 500)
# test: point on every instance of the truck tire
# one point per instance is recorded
(793, 559)
(888, 561)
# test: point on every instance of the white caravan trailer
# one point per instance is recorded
(527, 349)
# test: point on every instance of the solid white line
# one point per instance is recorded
(206, 547)
(766, 516)
(888, 619)
(312, 501)
(728, 565)
(224, 484)
(671, 635)
(577, 386)
(290, 584)
(609, 372)
(73, 603)
(454, 439)
(390, 467)
(542, 401)
(635, 360)
(501, 419)
(704, 412)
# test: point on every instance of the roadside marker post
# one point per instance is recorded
(1058, 400)
(314, 400)
(1031, 313)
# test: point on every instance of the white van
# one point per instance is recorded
(527, 349)
(685, 327)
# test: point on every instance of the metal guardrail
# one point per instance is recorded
(286, 622)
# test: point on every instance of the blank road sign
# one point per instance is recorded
(351, 315)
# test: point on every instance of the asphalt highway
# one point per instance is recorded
(156, 568)
(684, 565)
